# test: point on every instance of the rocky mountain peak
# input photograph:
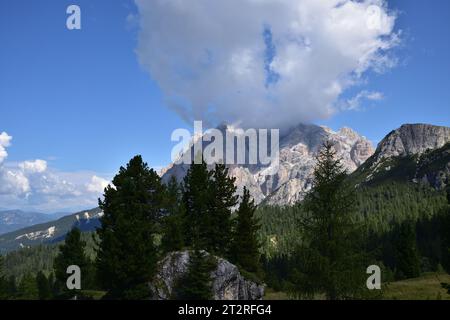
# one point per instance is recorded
(349, 133)
(298, 150)
(411, 139)
(418, 153)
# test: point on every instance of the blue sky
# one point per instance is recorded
(418, 89)
(82, 101)
(78, 98)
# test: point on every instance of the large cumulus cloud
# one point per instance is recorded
(262, 63)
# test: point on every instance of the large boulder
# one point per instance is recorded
(227, 281)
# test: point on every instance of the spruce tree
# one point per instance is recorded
(196, 201)
(27, 289)
(221, 202)
(196, 283)
(72, 252)
(330, 260)
(10, 287)
(43, 286)
(172, 223)
(3, 282)
(445, 231)
(127, 254)
(2, 266)
(406, 253)
(245, 240)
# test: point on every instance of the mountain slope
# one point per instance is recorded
(298, 149)
(50, 232)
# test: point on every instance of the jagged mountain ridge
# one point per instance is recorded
(411, 153)
(411, 139)
(298, 149)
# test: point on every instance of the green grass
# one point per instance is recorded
(271, 294)
(96, 295)
(426, 287)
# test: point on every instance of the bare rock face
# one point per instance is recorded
(298, 149)
(418, 153)
(411, 139)
(227, 282)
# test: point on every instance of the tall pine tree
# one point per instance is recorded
(196, 201)
(127, 255)
(196, 283)
(330, 261)
(44, 286)
(8, 288)
(445, 231)
(221, 202)
(245, 240)
(3, 282)
(172, 223)
(406, 252)
(27, 289)
(72, 252)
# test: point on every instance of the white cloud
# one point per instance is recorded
(262, 63)
(5, 141)
(13, 183)
(355, 102)
(97, 184)
(36, 166)
(32, 185)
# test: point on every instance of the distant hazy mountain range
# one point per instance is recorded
(11, 220)
(51, 231)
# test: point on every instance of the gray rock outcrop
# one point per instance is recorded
(227, 281)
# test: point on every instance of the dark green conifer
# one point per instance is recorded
(196, 283)
(406, 253)
(330, 260)
(196, 201)
(245, 241)
(221, 202)
(127, 254)
(72, 252)
(172, 223)
(43, 286)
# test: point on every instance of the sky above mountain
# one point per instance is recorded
(77, 104)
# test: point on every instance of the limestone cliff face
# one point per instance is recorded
(227, 282)
(411, 139)
(298, 149)
(417, 153)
